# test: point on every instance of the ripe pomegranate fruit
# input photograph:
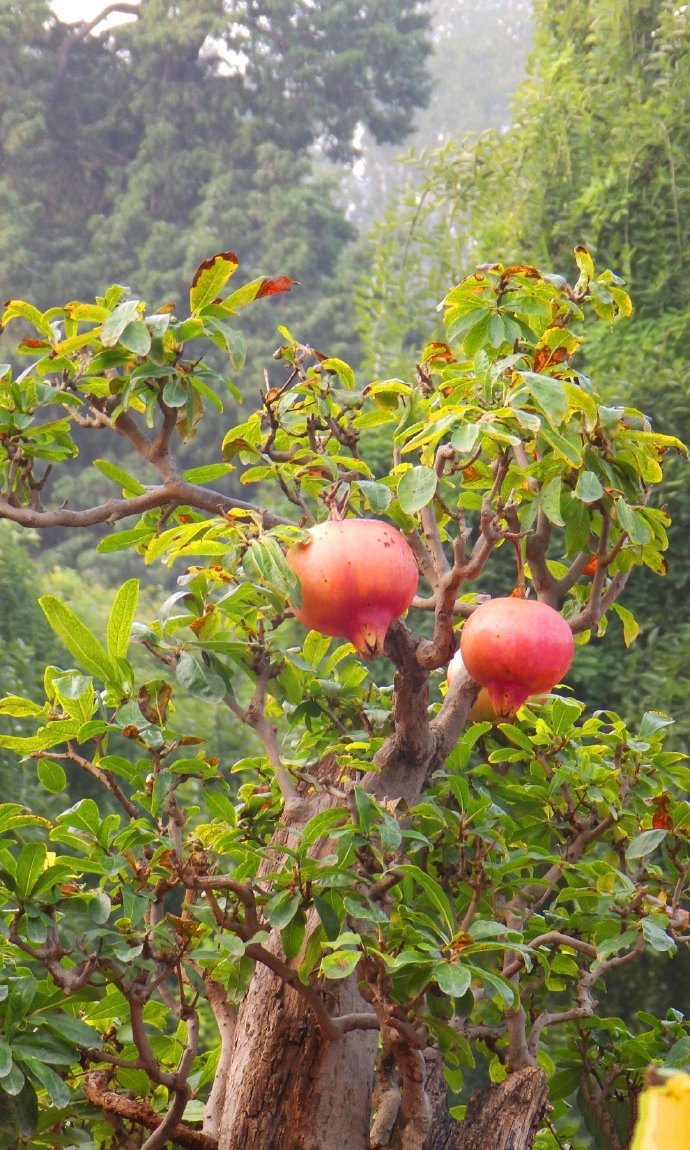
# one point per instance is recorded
(482, 710)
(516, 648)
(357, 576)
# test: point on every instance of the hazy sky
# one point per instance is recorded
(78, 9)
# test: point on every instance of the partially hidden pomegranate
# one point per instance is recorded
(516, 648)
(357, 576)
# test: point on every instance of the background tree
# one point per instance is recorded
(149, 144)
(479, 58)
(379, 890)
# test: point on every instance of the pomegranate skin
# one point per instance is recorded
(516, 648)
(482, 710)
(357, 576)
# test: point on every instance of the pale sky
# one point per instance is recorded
(69, 10)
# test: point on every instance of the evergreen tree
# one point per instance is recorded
(194, 128)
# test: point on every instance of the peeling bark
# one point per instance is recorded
(504, 1117)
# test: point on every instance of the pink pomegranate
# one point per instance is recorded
(516, 648)
(357, 576)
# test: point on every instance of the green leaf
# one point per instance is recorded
(679, 1054)
(655, 935)
(120, 540)
(635, 525)
(175, 392)
(329, 917)
(48, 736)
(100, 907)
(343, 370)
(578, 526)
(208, 473)
(377, 495)
(18, 1109)
(121, 618)
(30, 863)
(51, 776)
(434, 892)
(20, 708)
(12, 1084)
(127, 482)
(112, 1005)
(562, 446)
(292, 936)
(136, 337)
(496, 330)
(477, 336)
(113, 327)
(645, 844)
(465, 437)
(631, 627)
(340, 964)
(550, 501)
(652, 722)
(5, 1059)
(210, 278)
(20, 309)
(550, 394)
(452, 978)
(58, 1090)
(588, 487)
(84, 815)
(74, 1030)
(198, 679)
(416, 488)
(322, 824)
(77, 637)
(282, 908)
(505, 989)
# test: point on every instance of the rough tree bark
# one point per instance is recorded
(505, 1117)
(290, 1088)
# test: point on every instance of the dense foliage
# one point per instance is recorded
(469, 888)
(598, 150)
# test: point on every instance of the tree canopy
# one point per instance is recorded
(375, 883)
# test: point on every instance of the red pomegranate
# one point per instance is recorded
(516, 648)
(482, 710)
(357, 576)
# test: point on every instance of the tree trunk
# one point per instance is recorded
(290, 1088)
(505, 1117)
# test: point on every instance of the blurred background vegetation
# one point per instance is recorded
(132, 152)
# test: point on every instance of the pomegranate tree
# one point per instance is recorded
(516, 648)
(357, 577)
(318, 927)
